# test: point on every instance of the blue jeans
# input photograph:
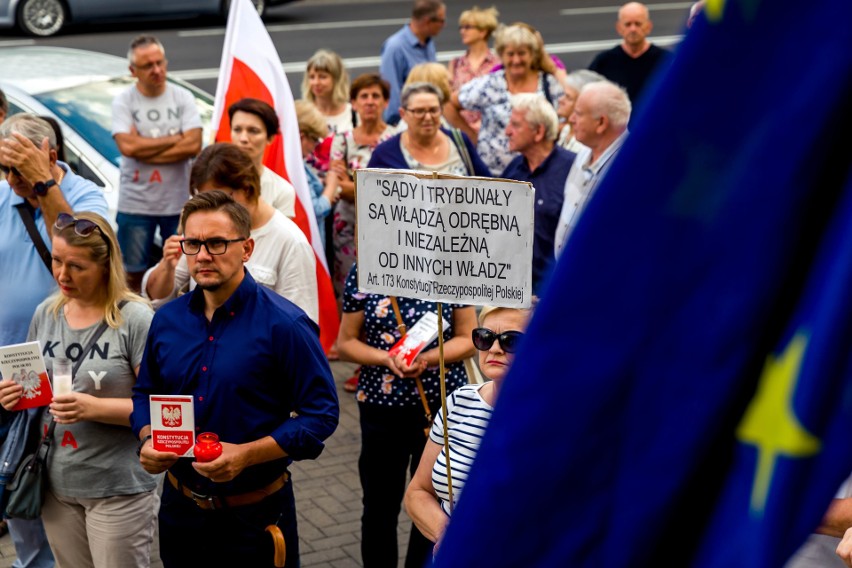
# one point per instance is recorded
(31, 546)
(136, 237)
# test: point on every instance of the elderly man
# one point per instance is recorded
(632, 62)
(408, 47)
(36, 190)
(259, 379)
(532, 130)
(157, 128)
(599, 121)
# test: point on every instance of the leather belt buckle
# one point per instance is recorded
(206, 502)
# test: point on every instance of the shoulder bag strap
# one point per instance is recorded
(545, 86)
(48, 437)
(400, 325)
(25, 210)
(458, 139)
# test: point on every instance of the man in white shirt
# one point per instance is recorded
(599, 121)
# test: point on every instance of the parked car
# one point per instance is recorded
(77, 88)
(46, 17)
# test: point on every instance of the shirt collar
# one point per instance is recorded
(544, 163)
(611, 150)
(413, 39)
(237, 300)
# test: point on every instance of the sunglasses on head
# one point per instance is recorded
(83, 227)
(483, 339)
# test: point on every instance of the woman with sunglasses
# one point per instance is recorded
(101, 506)
(283, 259)
(468, 413)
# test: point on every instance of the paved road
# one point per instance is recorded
(574, 30)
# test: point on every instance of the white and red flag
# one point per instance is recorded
(251, 68)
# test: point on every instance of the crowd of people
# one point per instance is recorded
(225, 310)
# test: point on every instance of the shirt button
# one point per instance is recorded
(232, 314)
(201, 399)
(203, 368)
(210, 338)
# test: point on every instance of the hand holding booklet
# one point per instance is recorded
(24, 364)
(421, 334)
(173, 424)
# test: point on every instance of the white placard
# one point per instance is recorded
(449, 239)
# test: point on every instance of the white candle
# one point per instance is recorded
(61, 385)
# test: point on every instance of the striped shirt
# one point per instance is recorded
(468, 416)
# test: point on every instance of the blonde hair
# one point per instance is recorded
(310, 119)
(331, 63)
(488, 309)
(103, 249)
(433, 73)
(523, 34)
(484, 19)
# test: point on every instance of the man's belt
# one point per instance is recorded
(211, 502)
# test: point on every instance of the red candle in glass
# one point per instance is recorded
(207, 447)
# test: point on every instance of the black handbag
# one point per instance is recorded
(29, 486)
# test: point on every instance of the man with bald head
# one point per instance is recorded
(632, 62)
(599, 121)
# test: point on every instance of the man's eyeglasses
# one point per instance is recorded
(483, 339)
(214, 247)
(421, 112)
(7, 169)
(148, 66)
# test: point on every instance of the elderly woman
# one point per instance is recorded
(390, 407)
(424, 145)
(326, 84)
(254, 125)
(101, 506)
(520, 52)
(572, 84)
(283, 259)
(475, 27)
(469, 410)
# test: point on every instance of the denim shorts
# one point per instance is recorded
(136, 237)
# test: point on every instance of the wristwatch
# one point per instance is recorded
(142, 443)
(41, 187)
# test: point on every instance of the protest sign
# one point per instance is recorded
(445, 238)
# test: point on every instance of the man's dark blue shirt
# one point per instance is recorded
(548, 179)
(255, 363)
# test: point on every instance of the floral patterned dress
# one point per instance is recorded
(356, 156)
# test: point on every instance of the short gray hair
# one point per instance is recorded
(143, 40)
(610, 100)
(418, 88)
(537, 112)
(578, 79)
(31, 127)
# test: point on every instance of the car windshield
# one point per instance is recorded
(87, 109)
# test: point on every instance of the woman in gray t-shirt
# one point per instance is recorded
(101, 505)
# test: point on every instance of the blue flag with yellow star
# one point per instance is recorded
(684, 393)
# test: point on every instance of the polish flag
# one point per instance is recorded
(251, 68)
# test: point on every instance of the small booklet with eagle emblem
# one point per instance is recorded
(24, 364)
(173, 424)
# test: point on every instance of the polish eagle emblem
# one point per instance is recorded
(172, 416)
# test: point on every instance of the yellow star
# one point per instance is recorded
(770, 422)
(714, 9)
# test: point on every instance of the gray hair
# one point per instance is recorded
(576, 80)
(30, 126)
(418, 88)
(537, 112)
(4, 104)
(610, 100)
(143, 40)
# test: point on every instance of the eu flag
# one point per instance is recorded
(683, 396)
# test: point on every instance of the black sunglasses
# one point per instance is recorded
(7, 169)
(483, 339)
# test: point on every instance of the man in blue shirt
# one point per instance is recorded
(532, 131)
(44, 187)
(260, 380)
(408, 47)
